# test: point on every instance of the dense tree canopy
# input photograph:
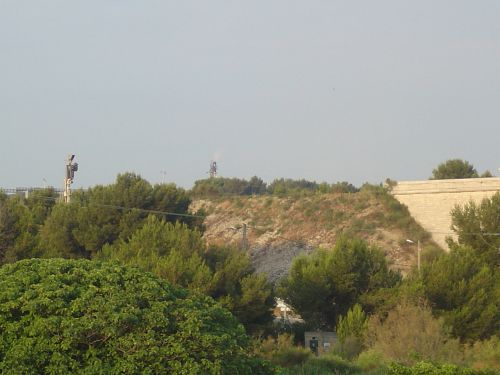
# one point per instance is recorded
(324, 285)
(18, 230)
(80, 316)
(466, 292)
(248, 295)
(171, 251)
(126, 222)
(221, 186)
(478, 226)
(104, 214)
(229, 186)
(177, 253)
(455, 168)
(464, 285)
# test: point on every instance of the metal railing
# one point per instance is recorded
(27, 190)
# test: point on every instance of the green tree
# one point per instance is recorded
(57, 236)
(178, 254)
(478, 226)
(228, 186)
(326, 284)
(237, 287)
(80, 316)
(18, 230)
(351, 330)
(105, 214)
(256, 186)
(465, 291)
(353, 324)
(464, 284)
(454, 168)
(40, 203)
(172, 251)
(118, 210)
(286, 186)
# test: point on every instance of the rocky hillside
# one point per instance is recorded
(279, 228)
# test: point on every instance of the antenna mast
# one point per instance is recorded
(213, 169)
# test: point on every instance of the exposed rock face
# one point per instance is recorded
(280, 228)
(275, 261)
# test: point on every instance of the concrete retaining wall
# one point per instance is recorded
(430, 202)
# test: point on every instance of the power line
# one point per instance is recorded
(253, 227)
(132, 208)
(145, 210)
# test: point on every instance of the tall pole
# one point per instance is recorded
(418, 256)
(244, 241)
(418, 253)
(213, 169)
(67, 181)
(71, 168)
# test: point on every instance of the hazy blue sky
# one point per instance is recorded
(318, 89)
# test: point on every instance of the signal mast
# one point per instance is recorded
(71, 168)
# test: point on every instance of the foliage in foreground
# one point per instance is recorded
(64, 316)
(331, 364)
(426, 368)
(178, 254)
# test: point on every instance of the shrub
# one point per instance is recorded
(351, 330)
(426, 368)
(281, 351)
(484, 354)
(410, 333)
(66, 316)
(326, 364)
(371, 360)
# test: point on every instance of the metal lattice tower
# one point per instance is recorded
(213, 169)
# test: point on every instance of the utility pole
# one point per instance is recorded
(418, 253)
(71, 168)
(418, 256)
(244, 240)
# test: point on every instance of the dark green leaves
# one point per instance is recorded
(62, 316)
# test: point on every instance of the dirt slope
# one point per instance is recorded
(279, 228)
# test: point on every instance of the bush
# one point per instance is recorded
(281, 351)
(425, 368)
(410, 334)
(371, 360)
(292, 357)
(326, 364)
(351, 330)
(67, 316)
(484, 354)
